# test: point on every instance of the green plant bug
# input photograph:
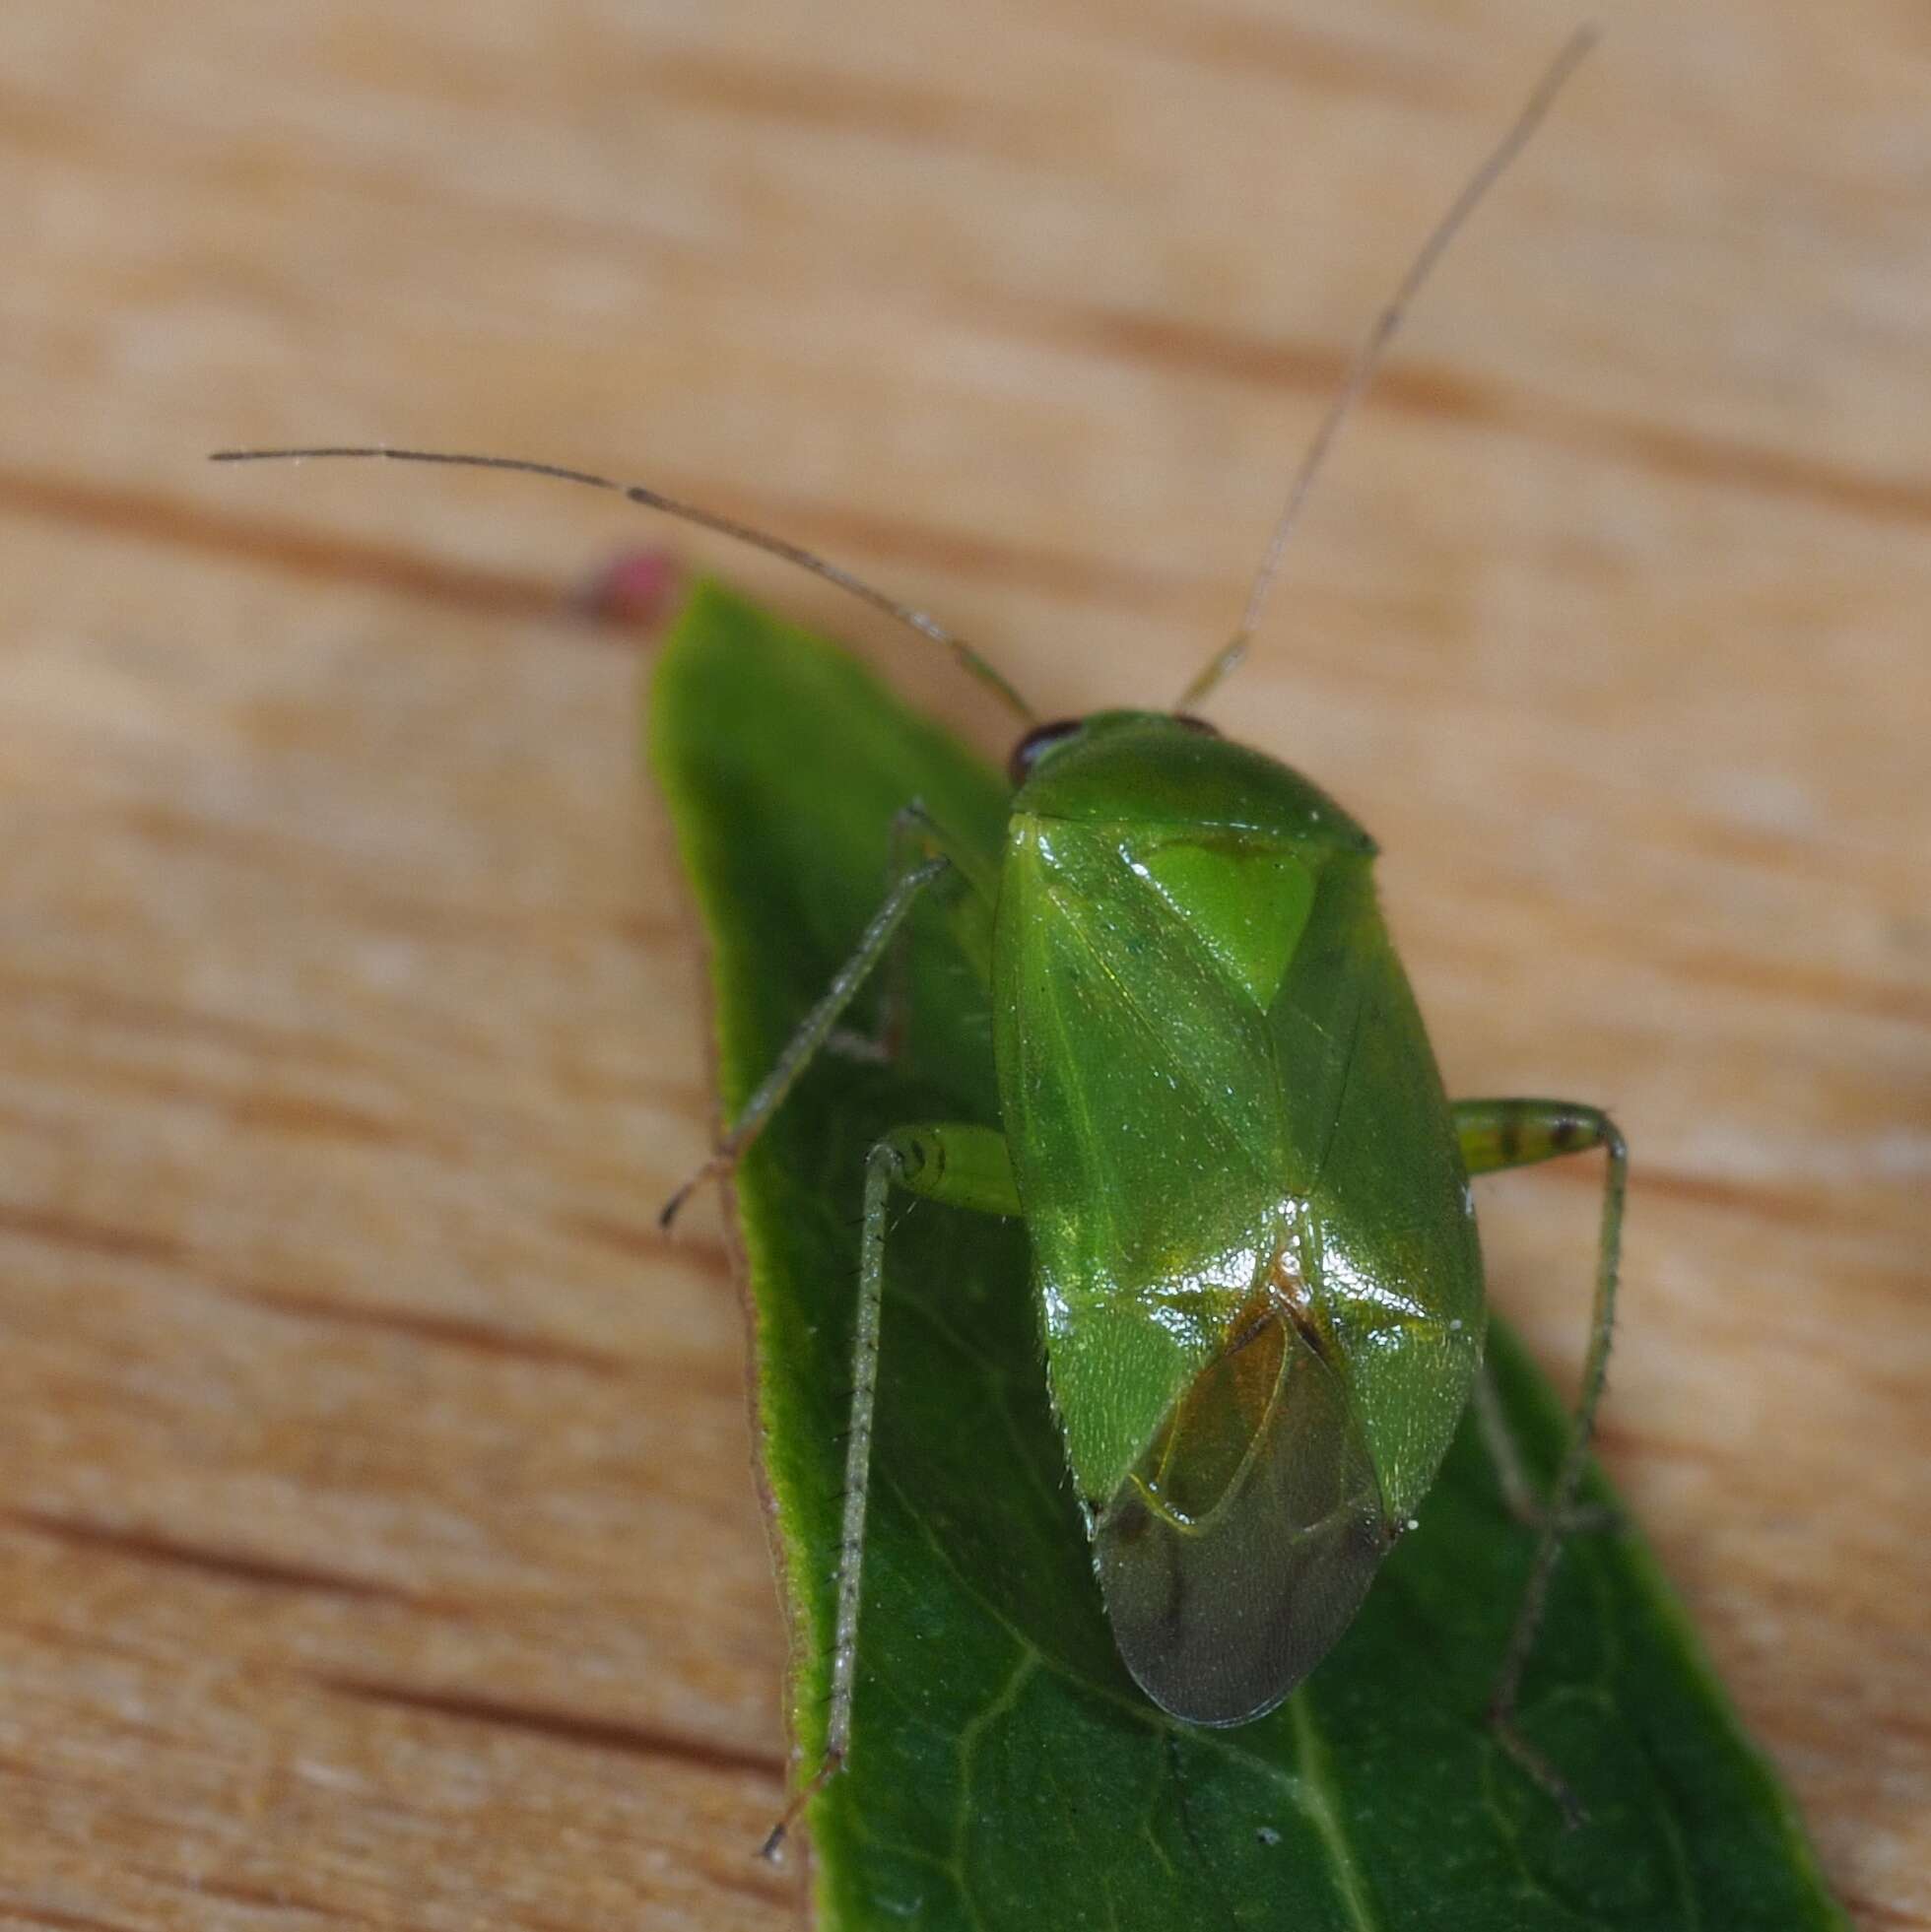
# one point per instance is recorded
(1245, 1190)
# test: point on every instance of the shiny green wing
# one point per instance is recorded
(1390, 1225)
(1144, 1120)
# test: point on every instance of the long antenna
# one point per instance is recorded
(1368, 357)
(637, 493)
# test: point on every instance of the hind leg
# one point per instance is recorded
(1495, 1135)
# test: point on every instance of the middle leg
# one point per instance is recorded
(964, 1166)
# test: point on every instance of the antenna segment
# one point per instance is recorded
(1368, 358)
(637, 493)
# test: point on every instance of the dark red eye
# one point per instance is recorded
(1026, 753)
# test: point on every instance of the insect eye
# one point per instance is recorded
(1042, 738)
(1192, 723)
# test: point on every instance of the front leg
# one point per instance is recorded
(1499, 1134)
(914, 838)
(812, 1032)
(920, 853)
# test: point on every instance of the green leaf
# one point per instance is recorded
(1004, 1772)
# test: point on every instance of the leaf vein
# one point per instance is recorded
(1320, 1801)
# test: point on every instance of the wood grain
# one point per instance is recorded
(378, 1541)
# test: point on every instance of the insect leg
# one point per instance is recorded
(1526, 1503)
(812, 1033)
(966, 1168)
(1497, 1134)
(914, 837)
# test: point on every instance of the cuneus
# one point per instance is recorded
(1253, 1246)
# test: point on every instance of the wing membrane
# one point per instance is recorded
(1241, 1546)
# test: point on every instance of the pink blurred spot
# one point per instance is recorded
(636, 588)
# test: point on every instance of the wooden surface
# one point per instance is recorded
(377, 1540)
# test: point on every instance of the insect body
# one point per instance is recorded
(1246, 1194)
(1256, 1378)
